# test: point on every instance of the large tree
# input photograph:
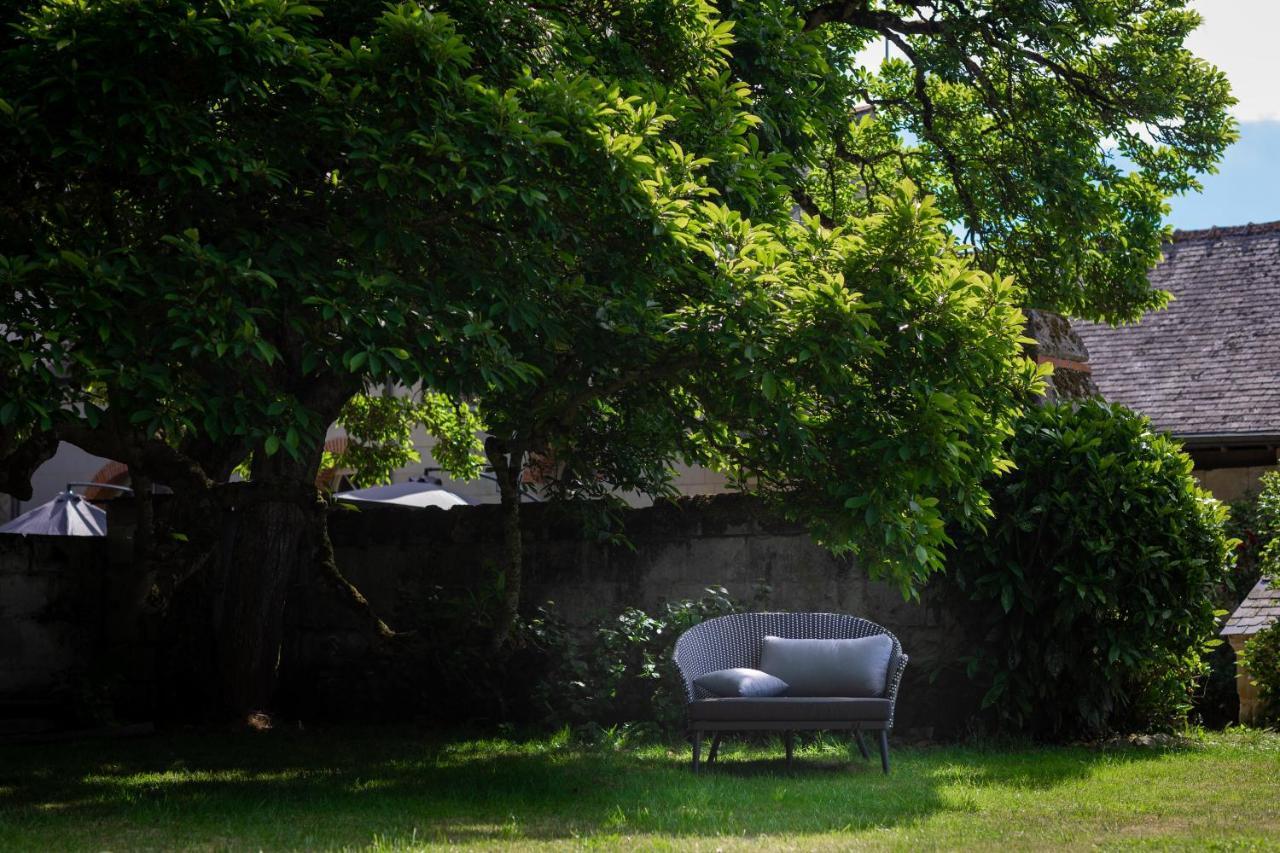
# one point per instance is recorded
(222, 220)
(1050, 135)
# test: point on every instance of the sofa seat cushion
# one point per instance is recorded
(790, 709)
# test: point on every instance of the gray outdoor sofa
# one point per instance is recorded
(729, 642)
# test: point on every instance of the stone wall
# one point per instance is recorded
(53, 592)
(1056, 343)
(397, 556)
(1233, 484)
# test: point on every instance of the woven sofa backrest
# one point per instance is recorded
(734, 641)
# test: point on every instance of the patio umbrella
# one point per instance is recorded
(414, 494)
(68, 514)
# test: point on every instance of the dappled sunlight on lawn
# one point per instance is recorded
(403, 789)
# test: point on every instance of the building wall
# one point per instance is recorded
(689, 480)
(71, 464)
(1250, 703)
(51, 589)
(1231, 484)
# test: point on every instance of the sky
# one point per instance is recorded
(1240, 37)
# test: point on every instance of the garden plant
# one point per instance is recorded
(1261, 658)
(1092, 584)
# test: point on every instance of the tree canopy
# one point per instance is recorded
(225, 219)
(1052, 133)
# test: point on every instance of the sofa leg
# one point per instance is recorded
(790, 738)
(884, 750)
(715, 748)
(862, 745)
(697, 749)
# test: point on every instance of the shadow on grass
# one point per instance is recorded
(348, 787)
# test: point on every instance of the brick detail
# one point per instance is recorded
(1065, 364)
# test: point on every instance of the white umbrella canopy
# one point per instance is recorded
(405, 494)
(68, 514)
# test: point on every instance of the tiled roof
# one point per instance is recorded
(1259, 609)
(1206, 364)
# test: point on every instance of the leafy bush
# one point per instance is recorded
(1266, 527)
(617, 670)
(1255, 521)
(1261, 657)
(624, 672)
(1243, 525)
(1093, 582)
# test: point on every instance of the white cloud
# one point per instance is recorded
(1239, 36)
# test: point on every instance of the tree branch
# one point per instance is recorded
(806, 203)
(327, 567)
(18, 466)
(927, 115)
(162, 462)
(857, 14)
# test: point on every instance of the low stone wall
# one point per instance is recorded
(397, 556)
(51, 594)
(54, 592)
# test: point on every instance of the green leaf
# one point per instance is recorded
(769, 386)
(74, 258)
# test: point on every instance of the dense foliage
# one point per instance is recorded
(1020, 116)
(380, 436)
(1262, 652)
(1261, 657)
(623, 672)
(1093, 582)
(1248, 523)
(616, 670)
(1264, 526)
(224, 219)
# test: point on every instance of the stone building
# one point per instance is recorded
(1260, 609)
(1204, 368)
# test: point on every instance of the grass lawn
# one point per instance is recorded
(392, 789)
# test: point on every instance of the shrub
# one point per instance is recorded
(616, 670)
(1266, 520)
(1093, 581)
(1255, 521)
(1261, 657)
(1244, 524)
(623, 672)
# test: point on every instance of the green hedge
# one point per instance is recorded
(1093, 582)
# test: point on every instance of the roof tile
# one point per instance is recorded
(1204, 364)
(1260, 608)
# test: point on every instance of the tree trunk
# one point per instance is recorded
(115, 663)
(508, 465)
(270, 529)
